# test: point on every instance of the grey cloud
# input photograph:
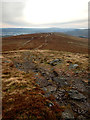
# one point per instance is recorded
(76, 23)
(12, 14)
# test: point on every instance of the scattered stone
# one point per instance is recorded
(73, 66)
(55, 73)
(55, 62)
(59, 95)
(68, 115)
(36, 70)
(42, 82)
(74, 94)
(79, 85)
(80, 107)
(81, 118)
(36, 73)
(50, 88)
(50, 104)
(63, 84)
(61, 81)
(6, 61)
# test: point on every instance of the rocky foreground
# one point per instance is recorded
(45, 85)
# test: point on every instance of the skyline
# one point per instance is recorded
(44, 14)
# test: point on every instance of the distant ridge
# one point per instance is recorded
(20, 31)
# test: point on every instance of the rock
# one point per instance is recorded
(80, 107)
(55, 73)
(50, 104)
(43, 82)
(81, 118)
(36, 74)
(43, 73)
(56, 79)
(68, 115)
(7, 61)
(61, 81)
(55, 62)
(36, 70)
(73, 66)
(79, 85)
(74, 94)
(59, 95)
(50, 88)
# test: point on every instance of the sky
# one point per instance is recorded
(44, 13)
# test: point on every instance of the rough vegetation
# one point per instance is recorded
(44, 84)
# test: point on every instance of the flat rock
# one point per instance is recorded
(50, 88)
(43, 82)
(55, 62)
(74, 94)
(61, 81)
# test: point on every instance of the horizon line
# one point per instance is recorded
(41, 28)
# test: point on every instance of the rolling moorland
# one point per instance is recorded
(45, 76)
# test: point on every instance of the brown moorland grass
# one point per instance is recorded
(23, 98)
(55, 41)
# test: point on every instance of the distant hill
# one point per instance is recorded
(83, 33)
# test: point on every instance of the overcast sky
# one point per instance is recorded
(44, 13)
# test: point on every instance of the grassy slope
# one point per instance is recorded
(53, 41)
